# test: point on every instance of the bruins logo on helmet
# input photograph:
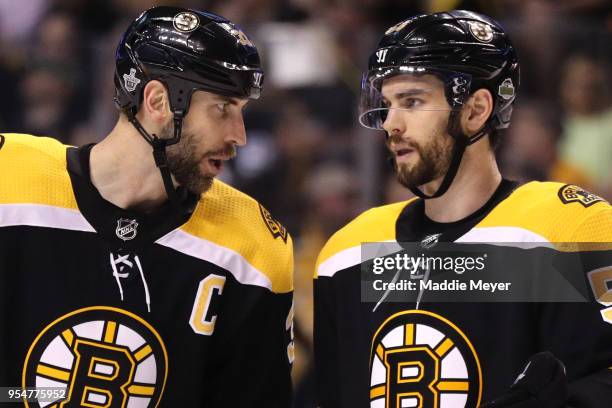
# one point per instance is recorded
(102, 357)
(482, 32)
(571, 194)
(275, 227)
(420, 359)
(186, 21)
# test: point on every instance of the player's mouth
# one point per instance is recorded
(403, 154)
(214, 165)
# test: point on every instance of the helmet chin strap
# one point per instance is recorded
(176, 196)
(462, 141)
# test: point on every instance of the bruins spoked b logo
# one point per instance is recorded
(574, 194)
(102, 357)
(420, 359)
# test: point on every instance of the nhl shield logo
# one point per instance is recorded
(126, 229)
(430, 241)
(130, 81)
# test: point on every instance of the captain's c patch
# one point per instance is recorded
(570, 194)
(275, 227)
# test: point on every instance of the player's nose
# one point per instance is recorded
(236, 132)
(394, 124)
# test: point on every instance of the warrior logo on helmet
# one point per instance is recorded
(186, 21)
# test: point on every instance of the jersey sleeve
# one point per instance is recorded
(342, 256)
(254, 363)
(580, 334)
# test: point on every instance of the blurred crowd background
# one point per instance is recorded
(307, 160)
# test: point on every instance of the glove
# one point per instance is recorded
(542, 384)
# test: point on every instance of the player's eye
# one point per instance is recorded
(411, 103)
(222, 107)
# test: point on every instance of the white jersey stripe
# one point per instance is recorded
(351, 257)
(504, 235)
(509, 236)
(226, 258)
(38, 215)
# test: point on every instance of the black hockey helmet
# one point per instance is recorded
(186, 50)
(466, 50)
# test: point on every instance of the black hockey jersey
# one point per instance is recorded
(462, 354)
(124, 309)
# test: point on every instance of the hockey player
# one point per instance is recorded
(442, 86)
(129, 275)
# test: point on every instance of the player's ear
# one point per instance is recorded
(155, 102)
(476, 111)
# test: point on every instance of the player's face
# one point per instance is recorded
(211, 131)
(418, 138)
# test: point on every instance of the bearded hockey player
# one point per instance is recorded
(442, 87)
(129, 275)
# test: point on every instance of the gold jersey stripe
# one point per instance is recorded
(532, 211)
(53, 372)
(38, 163)
(377, 392)
(224, 215)
(374, 225)
(233, 220)
(536, 207)
(453, 386)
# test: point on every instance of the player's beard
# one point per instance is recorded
(433, 162)
(184, 163)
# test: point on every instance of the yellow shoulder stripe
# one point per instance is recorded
(233, 220)
(374, 225)
(34, 172)
(537, 207)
